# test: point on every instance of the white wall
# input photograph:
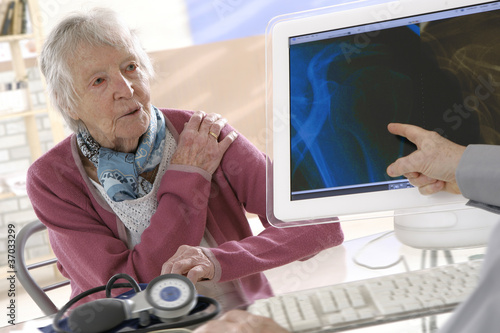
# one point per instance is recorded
(162, 24)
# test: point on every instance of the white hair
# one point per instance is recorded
(97, 27)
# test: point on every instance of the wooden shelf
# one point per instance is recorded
(6, 195)
(15, 38)
(26, 113)
(18, 63)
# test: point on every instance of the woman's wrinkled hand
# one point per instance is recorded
(432, 166)
(191, 262)
(199, 144)
(239, 321)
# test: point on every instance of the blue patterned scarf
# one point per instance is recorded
(119, 172)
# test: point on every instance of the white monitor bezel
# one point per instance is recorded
(282, 210)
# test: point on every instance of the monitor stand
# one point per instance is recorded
(443, 230)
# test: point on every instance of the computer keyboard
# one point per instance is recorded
(373, 301)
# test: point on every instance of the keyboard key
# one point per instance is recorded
(326, 301)
(349, 314)
(277, 313)
(300, 312)
(341, 299)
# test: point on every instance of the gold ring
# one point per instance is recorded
(214, 135)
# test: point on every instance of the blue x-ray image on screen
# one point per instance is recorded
(339, 113)
(344, 91)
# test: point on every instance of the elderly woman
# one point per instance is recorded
(145, 191)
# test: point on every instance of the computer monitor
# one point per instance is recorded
(339, 75)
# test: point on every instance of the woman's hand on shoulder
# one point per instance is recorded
(199, 143)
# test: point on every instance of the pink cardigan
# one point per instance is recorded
(90, 241)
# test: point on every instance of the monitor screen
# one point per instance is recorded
(348, 74)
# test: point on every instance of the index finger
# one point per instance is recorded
(411, 132)
(195, 120)
(166, 268)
